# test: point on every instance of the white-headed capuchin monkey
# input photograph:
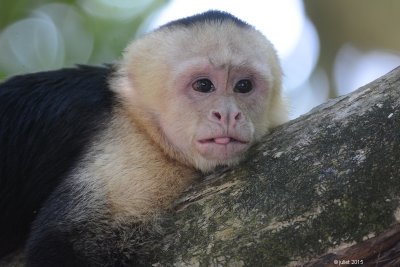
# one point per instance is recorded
(89, 156)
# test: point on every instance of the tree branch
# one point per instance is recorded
(316, 185)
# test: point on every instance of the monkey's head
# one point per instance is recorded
(205, 88)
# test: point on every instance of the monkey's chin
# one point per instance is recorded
(219, 151)
(207, 165)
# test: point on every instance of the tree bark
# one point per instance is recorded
(323, 189)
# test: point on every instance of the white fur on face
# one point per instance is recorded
(156, 80)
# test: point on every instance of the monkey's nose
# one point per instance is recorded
(226, 118)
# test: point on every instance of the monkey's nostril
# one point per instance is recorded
(217, 115)
(238, 116)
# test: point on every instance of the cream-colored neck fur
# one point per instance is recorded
(139, 179)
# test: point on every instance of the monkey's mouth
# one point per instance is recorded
(221, 148)
(225, 140)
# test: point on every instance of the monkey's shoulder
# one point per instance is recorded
(58, 87)
(46, 115)
(56, 99)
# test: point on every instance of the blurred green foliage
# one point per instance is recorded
(38, 35)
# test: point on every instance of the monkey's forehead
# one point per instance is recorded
(210, 39)
(221, 43)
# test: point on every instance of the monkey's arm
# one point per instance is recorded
(77, 226)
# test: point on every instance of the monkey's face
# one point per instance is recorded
(214, 112)
(209, 91)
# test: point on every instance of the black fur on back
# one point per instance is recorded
(47, 119)
(209, 16)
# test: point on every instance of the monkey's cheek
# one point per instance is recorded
(221, 152)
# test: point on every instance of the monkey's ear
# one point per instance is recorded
(279, 110)
(123, 80)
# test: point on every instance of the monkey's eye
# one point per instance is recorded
(203, 86)
(243, 86)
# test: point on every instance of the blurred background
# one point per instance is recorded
(327, 48)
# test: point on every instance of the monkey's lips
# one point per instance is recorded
(221, 147)
(221, 140)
